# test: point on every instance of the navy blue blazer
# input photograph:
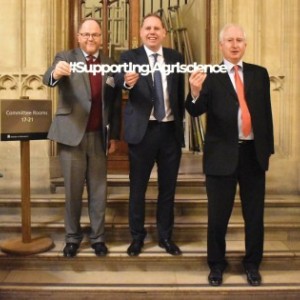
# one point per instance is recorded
(219, 101)
(140, 98)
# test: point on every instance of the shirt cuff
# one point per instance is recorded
(194, 99)
(128, 87)
(52, 81)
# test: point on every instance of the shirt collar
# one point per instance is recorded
(150, 52)
(95, 55)
(230, 65)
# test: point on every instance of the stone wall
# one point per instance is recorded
(31, 32)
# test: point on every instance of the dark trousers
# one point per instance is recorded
(158, 145)
(221, 192)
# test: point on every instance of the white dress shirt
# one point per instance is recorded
(161, 62)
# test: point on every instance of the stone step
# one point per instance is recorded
(183, 231)
(184, 181)
(275, 252)
(152, 275)
(188, 209)
(47, 216)
(57, 200)
(77, 289)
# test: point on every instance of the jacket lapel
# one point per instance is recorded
(79, 57)
(248, 77)
(226, 82)
(169, 61)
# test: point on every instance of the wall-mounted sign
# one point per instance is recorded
(25, 119)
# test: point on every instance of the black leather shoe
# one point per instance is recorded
(135, 248)
(100, 249)
(170, 247)
(253, 276)
(70, 249)
(215, 277)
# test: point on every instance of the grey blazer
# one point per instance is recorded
(74, 104)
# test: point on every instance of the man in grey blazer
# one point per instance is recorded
(233, 152)
(86, 124)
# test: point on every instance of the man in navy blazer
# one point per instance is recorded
(232, 157)
(88, 116)
(151, 140)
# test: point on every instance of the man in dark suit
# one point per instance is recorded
(153, 138)
(238, 145)
(89, 109)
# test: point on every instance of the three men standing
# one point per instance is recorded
(238, 141)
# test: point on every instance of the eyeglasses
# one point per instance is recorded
(88, 35)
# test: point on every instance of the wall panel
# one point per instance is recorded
(31, 32)
(10, 32)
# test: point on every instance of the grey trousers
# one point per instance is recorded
(85, 163)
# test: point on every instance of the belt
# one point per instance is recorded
(241, 142)
(154, 122)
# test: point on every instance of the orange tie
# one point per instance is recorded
(246, 118)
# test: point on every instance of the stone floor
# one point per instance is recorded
(152, 270)
(154, 274)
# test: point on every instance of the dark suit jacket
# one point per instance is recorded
(140, 103)
(70, 121)
(219, 101)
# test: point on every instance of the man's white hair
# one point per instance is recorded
(227, 26)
